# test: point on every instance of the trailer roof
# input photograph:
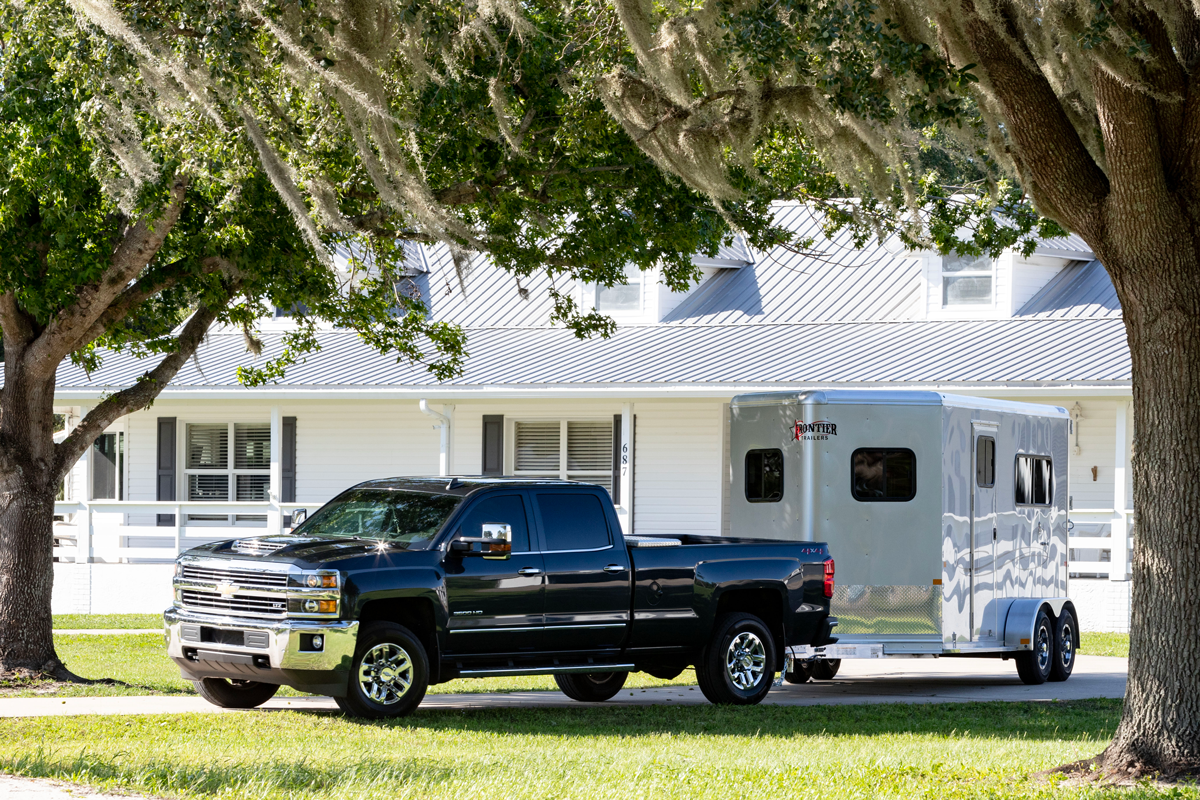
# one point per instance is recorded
(893, 397)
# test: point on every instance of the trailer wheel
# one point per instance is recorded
(591, 687)
(737, 666)
(389, 673)
(1066, 644)
(825, 669)
(235, 694)
(799, 673)
(1034, 665)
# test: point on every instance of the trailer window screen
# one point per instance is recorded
(883, 474)
(985, 462)
(764, 476)
(1034, 483)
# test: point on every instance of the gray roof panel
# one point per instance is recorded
(1081, 290)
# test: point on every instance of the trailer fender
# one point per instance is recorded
(1022, 616)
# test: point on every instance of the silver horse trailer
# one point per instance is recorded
(946, 517)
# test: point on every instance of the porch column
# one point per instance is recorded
(1118, 566)
(625, 510)
(81, 491)
(275, 492)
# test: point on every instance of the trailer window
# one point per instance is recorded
(1034, 483)
(764, 476)
(985, 462)
(883, 474)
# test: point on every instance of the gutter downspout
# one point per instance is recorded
(442, 422)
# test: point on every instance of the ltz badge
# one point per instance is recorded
(808, 431)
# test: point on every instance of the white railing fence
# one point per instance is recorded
(1100, 543)
(117, 531)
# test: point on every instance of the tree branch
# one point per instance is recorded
(69, 328)
(1129, 127)
(140, 395)
(1063, 172)
(16, 326)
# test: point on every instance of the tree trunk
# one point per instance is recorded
(28, 485)
(1157, 276)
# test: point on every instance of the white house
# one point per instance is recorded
(643, 413)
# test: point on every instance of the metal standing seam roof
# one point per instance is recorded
(1006, 351)
(1080, 290)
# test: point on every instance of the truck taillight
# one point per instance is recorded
(829, 578)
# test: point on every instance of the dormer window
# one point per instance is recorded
(622, 298)
(967, 280)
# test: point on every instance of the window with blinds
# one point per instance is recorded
(577, 450)
(213, 476)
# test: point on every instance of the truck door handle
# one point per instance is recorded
(529, 571)
(614, 568)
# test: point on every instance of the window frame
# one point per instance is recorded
(979, 437)
(633, 277)
(746, 476)
(1050, 466)
(230, 471)
(886, 451)
(564, 472)
(120, 471)
(990, 273)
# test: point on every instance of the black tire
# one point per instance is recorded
(591, 687)
(1066, 645)
(825, 669)
(1034, 665)
(799, 673)
(738, 665)
(389, 674)
(235, 694)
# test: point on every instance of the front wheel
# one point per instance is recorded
(591, 687)
(235, 694)
(1066, 643)
(1034, 665)
(389, 674)
(738, 665)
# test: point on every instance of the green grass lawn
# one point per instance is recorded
(1105, 644)
(108, 621)
(987, 750)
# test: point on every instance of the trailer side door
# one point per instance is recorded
(984, 621)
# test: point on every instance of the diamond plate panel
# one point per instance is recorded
(887, 609)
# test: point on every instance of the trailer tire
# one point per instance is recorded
(235, 694)
(799, 673)
(389, 673)
(825, 669)
(591, 687)
(1034, 666)
(1066, 645)
(737, 665)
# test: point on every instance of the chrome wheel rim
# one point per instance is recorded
(1042, 648)
(745, 661)
(1066, 645)
(385, 674)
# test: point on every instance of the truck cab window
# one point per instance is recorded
(883, 474)
(573, 522)
(505, 508)
(985, 462)
(764, 476)
(1034, 481)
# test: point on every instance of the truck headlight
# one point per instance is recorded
(311, 605)
(321, 579)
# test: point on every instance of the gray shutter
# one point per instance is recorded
(493, 444)
(616, 463)
(165, 485)
(287, 487)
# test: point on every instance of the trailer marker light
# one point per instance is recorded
(937, 581)
(1024, 641)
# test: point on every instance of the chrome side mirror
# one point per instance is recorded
(496, 542)
(298, 516)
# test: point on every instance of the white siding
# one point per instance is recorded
(678, 452)
(1029, 277)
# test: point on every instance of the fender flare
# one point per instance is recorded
(1022, 616)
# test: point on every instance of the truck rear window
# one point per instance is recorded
(408, 520)
(573, 522)
(883, 474)
(764, 476)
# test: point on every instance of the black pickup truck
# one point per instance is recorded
(398, 584)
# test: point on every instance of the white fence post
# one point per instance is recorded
(178, 530)
(1119, 554)
(275, 491)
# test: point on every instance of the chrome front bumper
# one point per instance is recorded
(283, 648)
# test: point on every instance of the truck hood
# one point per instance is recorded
(312, 550)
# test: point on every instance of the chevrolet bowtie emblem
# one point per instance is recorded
(226, 588)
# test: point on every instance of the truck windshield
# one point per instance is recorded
(409, 520)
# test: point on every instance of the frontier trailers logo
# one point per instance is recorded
(810, 431)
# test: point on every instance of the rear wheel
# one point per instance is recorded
(389, 674)
(738, 665)
(1066, 643)
(591, 687)
(825, 669)
(234, 693)
(1034, 665)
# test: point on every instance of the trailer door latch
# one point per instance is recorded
(993, 534)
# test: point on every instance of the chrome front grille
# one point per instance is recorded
(235, 604)
(257, 547)
(240, 577)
